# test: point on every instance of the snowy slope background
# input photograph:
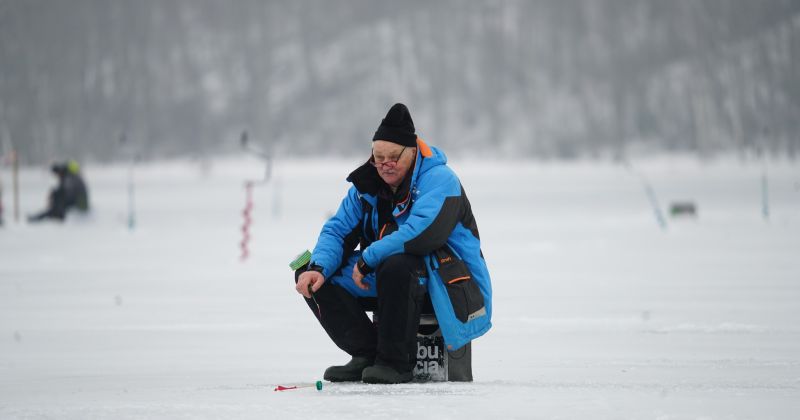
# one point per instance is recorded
(598, 312)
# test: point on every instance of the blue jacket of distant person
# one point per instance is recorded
(431, 217)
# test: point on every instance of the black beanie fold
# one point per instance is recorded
(397, 127)
(395, 135)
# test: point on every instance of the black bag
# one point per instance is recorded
(465, 295)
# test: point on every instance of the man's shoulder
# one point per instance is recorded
(441, 173)
(440, 178)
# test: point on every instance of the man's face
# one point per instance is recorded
(392, 161)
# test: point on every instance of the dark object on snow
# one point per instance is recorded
(683, 209)
(70, 193)
(434, 361)
(381, 374)
(350, 372)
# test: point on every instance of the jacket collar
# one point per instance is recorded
(367, 181)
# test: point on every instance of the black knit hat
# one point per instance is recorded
(397, 127)
(58, 168)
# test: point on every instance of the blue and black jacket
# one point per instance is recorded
(431, 217)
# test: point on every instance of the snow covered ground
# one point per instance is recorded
(599, 313)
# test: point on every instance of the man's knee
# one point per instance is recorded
(400, 264)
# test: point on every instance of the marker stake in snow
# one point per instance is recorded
(317, 385)
(248, 220)
(131, 196)
(764, 195)
(651, 195)
(15, 183)
(123, 139)
(249, 184)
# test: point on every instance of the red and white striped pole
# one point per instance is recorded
(248, 209)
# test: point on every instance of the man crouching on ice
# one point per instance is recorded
(419, 246)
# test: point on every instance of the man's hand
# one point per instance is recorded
(358, 277)
(309, 278)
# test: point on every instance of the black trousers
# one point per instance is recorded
(56, 207)
(393, 341)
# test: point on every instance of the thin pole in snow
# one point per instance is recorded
(1, 201)
(249, 185)
(131, 197)
(651, 195)
(15, 181)
(5, 145)
(764, 194)
(248, 208)
(123, 139)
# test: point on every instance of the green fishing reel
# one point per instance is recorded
(300, 260)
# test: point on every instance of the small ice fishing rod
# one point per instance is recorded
(317, 385)
(302, 260)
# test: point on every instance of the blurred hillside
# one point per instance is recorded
(522, 78)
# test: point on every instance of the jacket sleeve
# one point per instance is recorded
(433, 216)
(339, 235)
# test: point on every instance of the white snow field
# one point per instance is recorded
(598, 312)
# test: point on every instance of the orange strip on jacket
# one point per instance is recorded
(458, 279)
(380, 235)
(423, 148)
(405, 200)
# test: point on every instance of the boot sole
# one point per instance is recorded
(342, 378)
(404, 378)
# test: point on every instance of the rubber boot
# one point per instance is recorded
(380, 374)
(350, 372)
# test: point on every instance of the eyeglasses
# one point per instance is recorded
(388, 162)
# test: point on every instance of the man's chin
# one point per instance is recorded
(389, 179)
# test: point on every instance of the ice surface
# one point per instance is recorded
(598, 313)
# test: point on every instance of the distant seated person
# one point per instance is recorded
(69, 195)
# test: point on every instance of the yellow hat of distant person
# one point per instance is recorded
(73, 166)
